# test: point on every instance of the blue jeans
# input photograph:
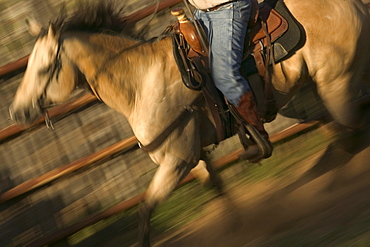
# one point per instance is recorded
(226, 28)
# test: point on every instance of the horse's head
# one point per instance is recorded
(50, 76)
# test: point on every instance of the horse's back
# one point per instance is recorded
(334, 30)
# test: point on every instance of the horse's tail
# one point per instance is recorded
(367, 71)
(366, 24)
(367, 74)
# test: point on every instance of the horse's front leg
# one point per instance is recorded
(145, 211)
(165, 180)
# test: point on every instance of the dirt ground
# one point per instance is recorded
(328, 204)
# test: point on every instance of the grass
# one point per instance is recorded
(286, 157)
(185, 204)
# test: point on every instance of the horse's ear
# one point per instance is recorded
(34, 27)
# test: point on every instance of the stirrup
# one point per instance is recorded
(264, 146)
(246, 128)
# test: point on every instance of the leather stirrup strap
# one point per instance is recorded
(212, 106)
(270, 102)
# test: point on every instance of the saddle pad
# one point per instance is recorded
(283, 43)
(293, 39)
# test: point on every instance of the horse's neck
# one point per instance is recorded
(130, 81)
(108, 67)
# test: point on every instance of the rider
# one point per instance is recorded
(225, 24)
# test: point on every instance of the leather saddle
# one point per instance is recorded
(266, 27)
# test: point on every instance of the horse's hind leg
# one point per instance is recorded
(214, 177)
(339, 97)
(169, 174)
(208, 175)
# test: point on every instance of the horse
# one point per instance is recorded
(141, 80)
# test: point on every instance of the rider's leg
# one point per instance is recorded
(226, 29)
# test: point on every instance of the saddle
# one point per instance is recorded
(265, 28)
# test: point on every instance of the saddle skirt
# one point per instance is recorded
(276, 26)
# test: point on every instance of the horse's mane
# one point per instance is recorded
(94, 16)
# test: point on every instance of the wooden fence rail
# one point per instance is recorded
(60, 110)
(69, 168)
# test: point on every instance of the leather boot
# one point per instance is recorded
(247, 108)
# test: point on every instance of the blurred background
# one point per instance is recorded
(27, 154)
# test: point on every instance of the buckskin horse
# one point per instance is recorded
(141, 80)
